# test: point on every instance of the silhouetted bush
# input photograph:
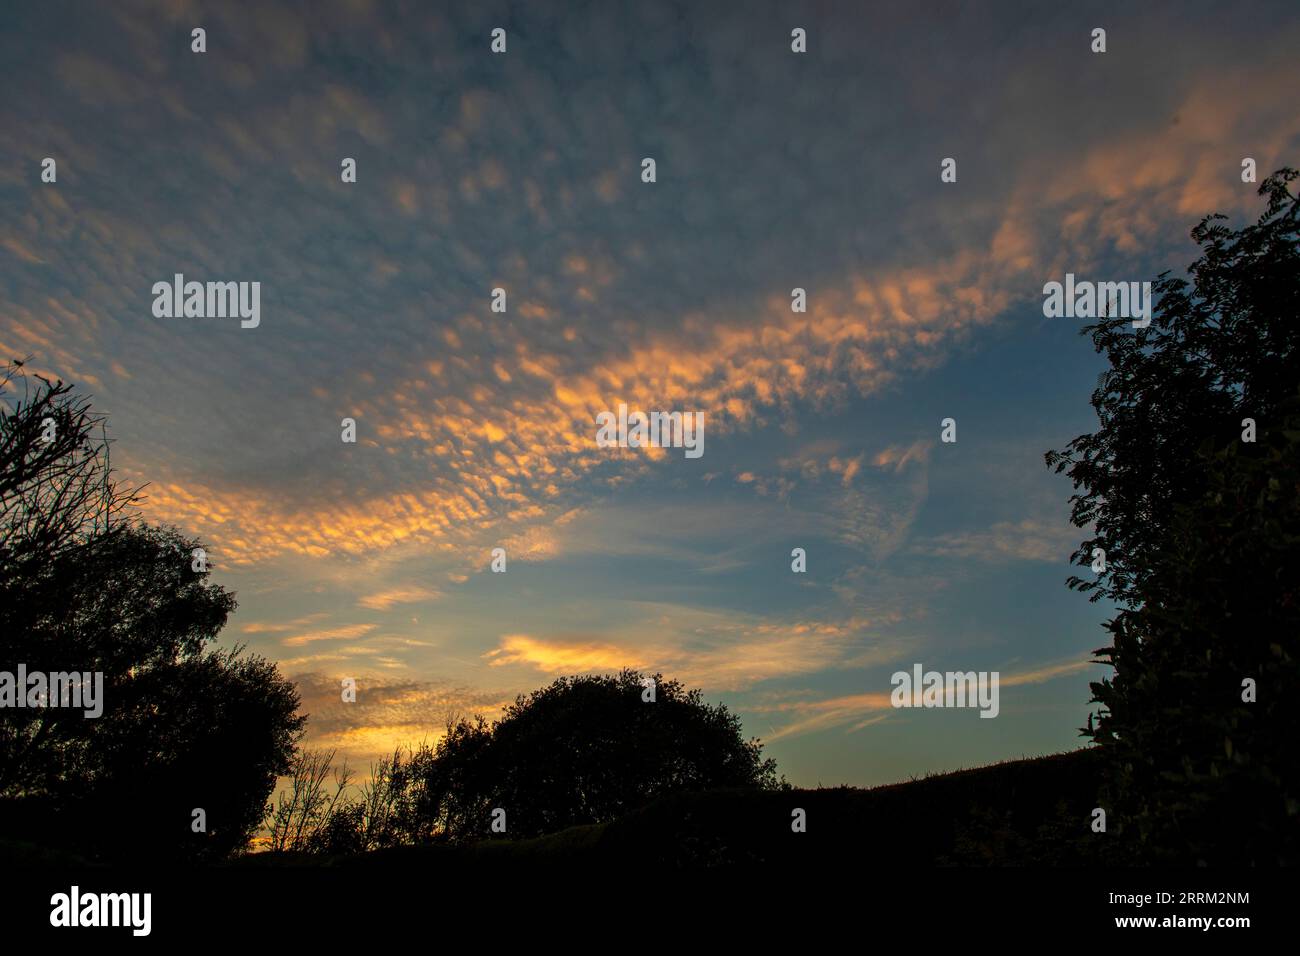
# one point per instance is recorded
(586, 750)
(582, 750)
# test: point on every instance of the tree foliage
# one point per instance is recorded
(1201, 531)
(86, 587)
(582, 750)
(587, 750)
(57, 488)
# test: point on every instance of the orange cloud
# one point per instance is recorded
(562, 657)
(345, 633)
(706, 648)
(400, 595)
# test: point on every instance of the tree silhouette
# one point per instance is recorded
(1201, 530)
(582, 750)
(57, 489)
(85, 587)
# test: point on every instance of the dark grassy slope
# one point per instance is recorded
(1035, 811)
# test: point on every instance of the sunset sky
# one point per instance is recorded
(476, 429)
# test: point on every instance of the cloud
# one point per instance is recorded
(345, 632)
(387, 712)
(714, 650)
(562, 656)
(408, 594)
(1031, 539)
(866, 709)
(279, 627)
(501, 437)
(898, 457)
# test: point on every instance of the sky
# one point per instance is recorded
(476, 429)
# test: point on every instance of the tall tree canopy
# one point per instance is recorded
(86, 588)
(1192, 487)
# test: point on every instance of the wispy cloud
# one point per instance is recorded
(712, 649)
(387, 713)
(408, 594)
(563, 655)
(863, 710)
(346, 632)
(280, 627)
(1031, 539)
